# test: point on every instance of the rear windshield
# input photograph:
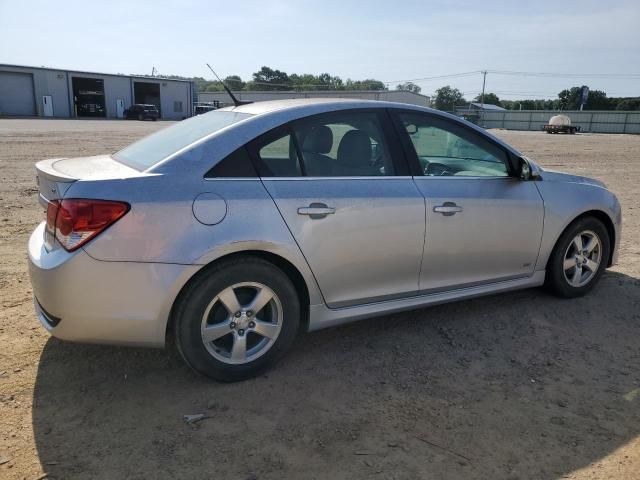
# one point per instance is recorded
(145, 153)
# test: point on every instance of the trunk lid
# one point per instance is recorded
(55, 176)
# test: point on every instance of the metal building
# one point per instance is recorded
(401, 96)
(49, 92)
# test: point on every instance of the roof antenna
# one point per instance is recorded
(236, 102)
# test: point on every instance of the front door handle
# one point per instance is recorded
(316, 210)
(447, 209)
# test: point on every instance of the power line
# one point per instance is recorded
(332, 87)
(566, 75)
(437, 77)
(387, 82)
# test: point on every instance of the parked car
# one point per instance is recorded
(90, 109)
(204, 107)
(239, 228)
(141, 111)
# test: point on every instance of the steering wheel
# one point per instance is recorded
(438, 169)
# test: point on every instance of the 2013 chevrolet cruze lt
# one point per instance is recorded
(241, 227)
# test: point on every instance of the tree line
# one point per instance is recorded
(269, 79)
(447, 98)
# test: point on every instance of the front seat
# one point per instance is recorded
(317, 143)
(354, 155)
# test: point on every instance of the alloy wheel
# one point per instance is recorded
(241, 323)
(582, 258)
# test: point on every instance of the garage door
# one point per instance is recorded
(16, 94)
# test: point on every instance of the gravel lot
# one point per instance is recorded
(514, 386)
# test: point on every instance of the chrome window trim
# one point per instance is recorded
(387, 178)
(463, 177)
(225, 179)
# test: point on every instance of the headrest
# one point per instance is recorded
(318, 140)
(355, 148)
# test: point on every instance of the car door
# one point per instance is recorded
(343, 187)
(483, 224)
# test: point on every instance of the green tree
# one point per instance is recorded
(368, 84)
(597, 100)
(447, 98)
(628, 103)
(328, 81)
(211, 87)
(234, 82)
(409, 87)
(304, 81)
(489, 98)
(569, 98)
(269, 79)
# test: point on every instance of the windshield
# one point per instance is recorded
(152, 149)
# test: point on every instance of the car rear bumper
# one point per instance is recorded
(78, 298)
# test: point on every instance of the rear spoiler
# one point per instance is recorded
(52, 184)
(45, 167)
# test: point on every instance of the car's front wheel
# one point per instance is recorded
(237, 319)
(579, 258)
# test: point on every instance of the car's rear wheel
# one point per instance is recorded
(579, 258)
(237, 319)
(140, 117)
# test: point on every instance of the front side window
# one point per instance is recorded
(445, 148)
(343, 144)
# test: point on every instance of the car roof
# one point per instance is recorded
(258, 108)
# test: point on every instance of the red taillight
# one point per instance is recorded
(75, 221)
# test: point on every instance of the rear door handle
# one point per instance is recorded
(447, 209)
(316, 210)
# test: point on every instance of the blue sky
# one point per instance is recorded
(376, 39)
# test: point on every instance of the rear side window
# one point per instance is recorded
(145, 153)
(344, 144)
(277, 155)
(238, 164)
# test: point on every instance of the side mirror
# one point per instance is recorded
(525, 170)
(412, 129)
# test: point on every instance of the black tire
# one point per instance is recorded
(140, 117)
(191, 306)
(556, 281)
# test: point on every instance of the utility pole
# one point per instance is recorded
(484, 81)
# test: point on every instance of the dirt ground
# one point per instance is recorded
(513, 386)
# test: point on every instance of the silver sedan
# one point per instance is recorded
(239, 228)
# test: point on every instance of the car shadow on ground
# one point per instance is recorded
(518, 385)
